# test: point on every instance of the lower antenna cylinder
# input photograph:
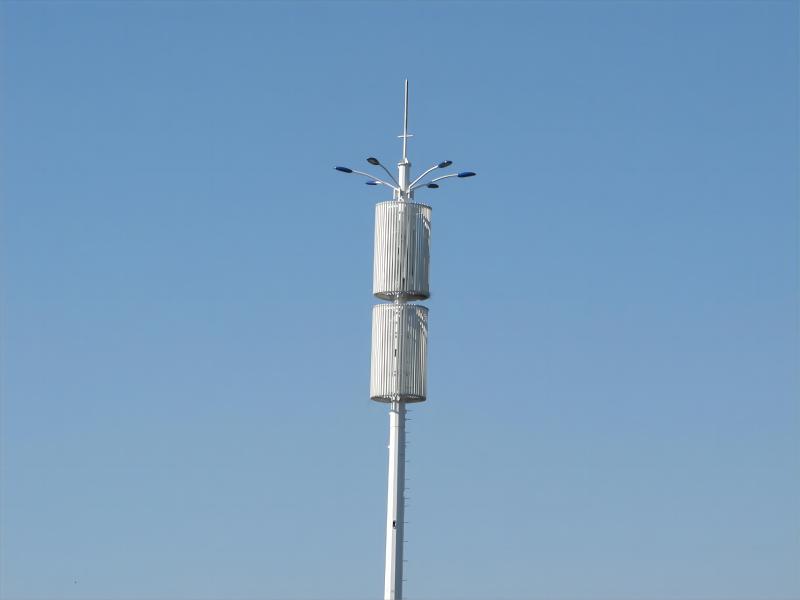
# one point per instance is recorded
(399, 353)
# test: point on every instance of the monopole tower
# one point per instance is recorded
(398, 374)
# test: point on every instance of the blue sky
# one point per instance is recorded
(613, 393)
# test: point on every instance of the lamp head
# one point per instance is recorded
(467, 174)
(373, 161)
(445, 164)
(343, 169)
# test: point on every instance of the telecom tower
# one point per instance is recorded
(400, 328)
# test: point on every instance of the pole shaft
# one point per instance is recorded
(405, 122)
(393, 581)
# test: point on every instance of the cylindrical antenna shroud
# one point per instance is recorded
(399, 352)
(402, 251)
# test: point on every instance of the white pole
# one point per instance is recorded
(393, 582)
(405, 122)
(404, 166)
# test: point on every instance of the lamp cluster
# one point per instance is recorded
(414, 185)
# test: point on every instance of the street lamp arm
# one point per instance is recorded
(389, 174)
(444, 177)
(436, 179)
(379, 182)
(433, 168)
(375, 179)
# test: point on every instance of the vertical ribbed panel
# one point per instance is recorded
(402, 250)
(399, 352)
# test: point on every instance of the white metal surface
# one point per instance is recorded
(402, 251)
(399, 352)
(395, 510)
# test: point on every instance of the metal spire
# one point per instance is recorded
(404, 166)
(405, 135)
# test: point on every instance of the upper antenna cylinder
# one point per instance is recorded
(402, 251)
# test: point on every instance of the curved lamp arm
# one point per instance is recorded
(435, 180)
(389, 174)
(433, 168)
(461, 175)
(432, 186)
(379, 182)
(375, 179)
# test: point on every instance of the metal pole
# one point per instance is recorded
(393, 582)
(405, 122)
(404, 166)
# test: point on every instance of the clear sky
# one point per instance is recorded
(614, 400)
